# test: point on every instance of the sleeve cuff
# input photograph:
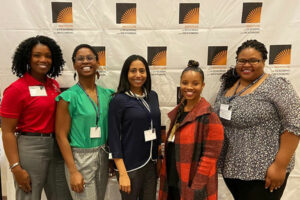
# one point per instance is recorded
(117, 155)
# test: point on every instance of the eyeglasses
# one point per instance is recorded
(80, 59)
(250, 61)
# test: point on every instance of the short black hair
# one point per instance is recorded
(193, 66)
(22, 56)
(124, 84)
(83, 46)
(231, 76)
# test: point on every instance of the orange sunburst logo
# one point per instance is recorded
(101, 55)
(62, 12)
(254, 16)
(126, 13)
(157, 56)
(217, 55)
(192, 17)
(160, 59)
(283, 57)
(280, 54)
(189, 13)
(65, 16)
(220, 58)
(101, 58)
(252, 12)
(129, 17)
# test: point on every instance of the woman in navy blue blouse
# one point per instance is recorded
(134, 131)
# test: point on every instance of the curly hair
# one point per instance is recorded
(22, 56)
(231, 76)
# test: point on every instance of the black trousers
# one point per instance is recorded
(253, 190)
(143, 183)
(173, 193)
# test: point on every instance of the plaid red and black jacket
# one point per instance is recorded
(198, 143)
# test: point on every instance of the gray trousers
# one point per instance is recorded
(143, 183)
(41, 158)
(92, 163)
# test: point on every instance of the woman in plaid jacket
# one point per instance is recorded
(194, 142)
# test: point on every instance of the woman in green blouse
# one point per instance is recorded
(81, 128)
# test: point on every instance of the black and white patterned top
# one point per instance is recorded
(252, 135)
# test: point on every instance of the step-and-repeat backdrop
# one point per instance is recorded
(167, 33)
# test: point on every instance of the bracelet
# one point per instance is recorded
(14, 165)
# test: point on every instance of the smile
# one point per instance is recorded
(42, 66)
(86, 69)
(138, 81)
(189, 93)
(246, 70)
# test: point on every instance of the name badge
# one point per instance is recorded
(95, 132)
(171, 139)
(37, 91)
(225, 111)
(150, 135)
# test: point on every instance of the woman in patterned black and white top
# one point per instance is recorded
(261, 118)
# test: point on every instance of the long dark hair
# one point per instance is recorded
(231, 76)
(22, 56)
(124, 84)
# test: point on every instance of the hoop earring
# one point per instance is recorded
(97, 74)
(28, 67)
(74, 76)
(234, 74)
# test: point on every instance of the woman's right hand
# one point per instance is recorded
(77, 182)
(124, 183)
(22, 178)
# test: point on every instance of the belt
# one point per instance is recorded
(37, 134)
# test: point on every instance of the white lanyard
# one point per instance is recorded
(144, 102)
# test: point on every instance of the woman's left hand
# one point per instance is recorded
(275, 176)
(111, 170)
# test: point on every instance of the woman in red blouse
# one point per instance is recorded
(28, 109)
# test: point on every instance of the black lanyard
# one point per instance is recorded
(243, 90)
(93, 103)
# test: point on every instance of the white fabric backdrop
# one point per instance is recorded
(157, 24)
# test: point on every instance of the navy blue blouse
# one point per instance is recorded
(127, 120)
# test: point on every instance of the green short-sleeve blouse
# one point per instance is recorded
(83, 116)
